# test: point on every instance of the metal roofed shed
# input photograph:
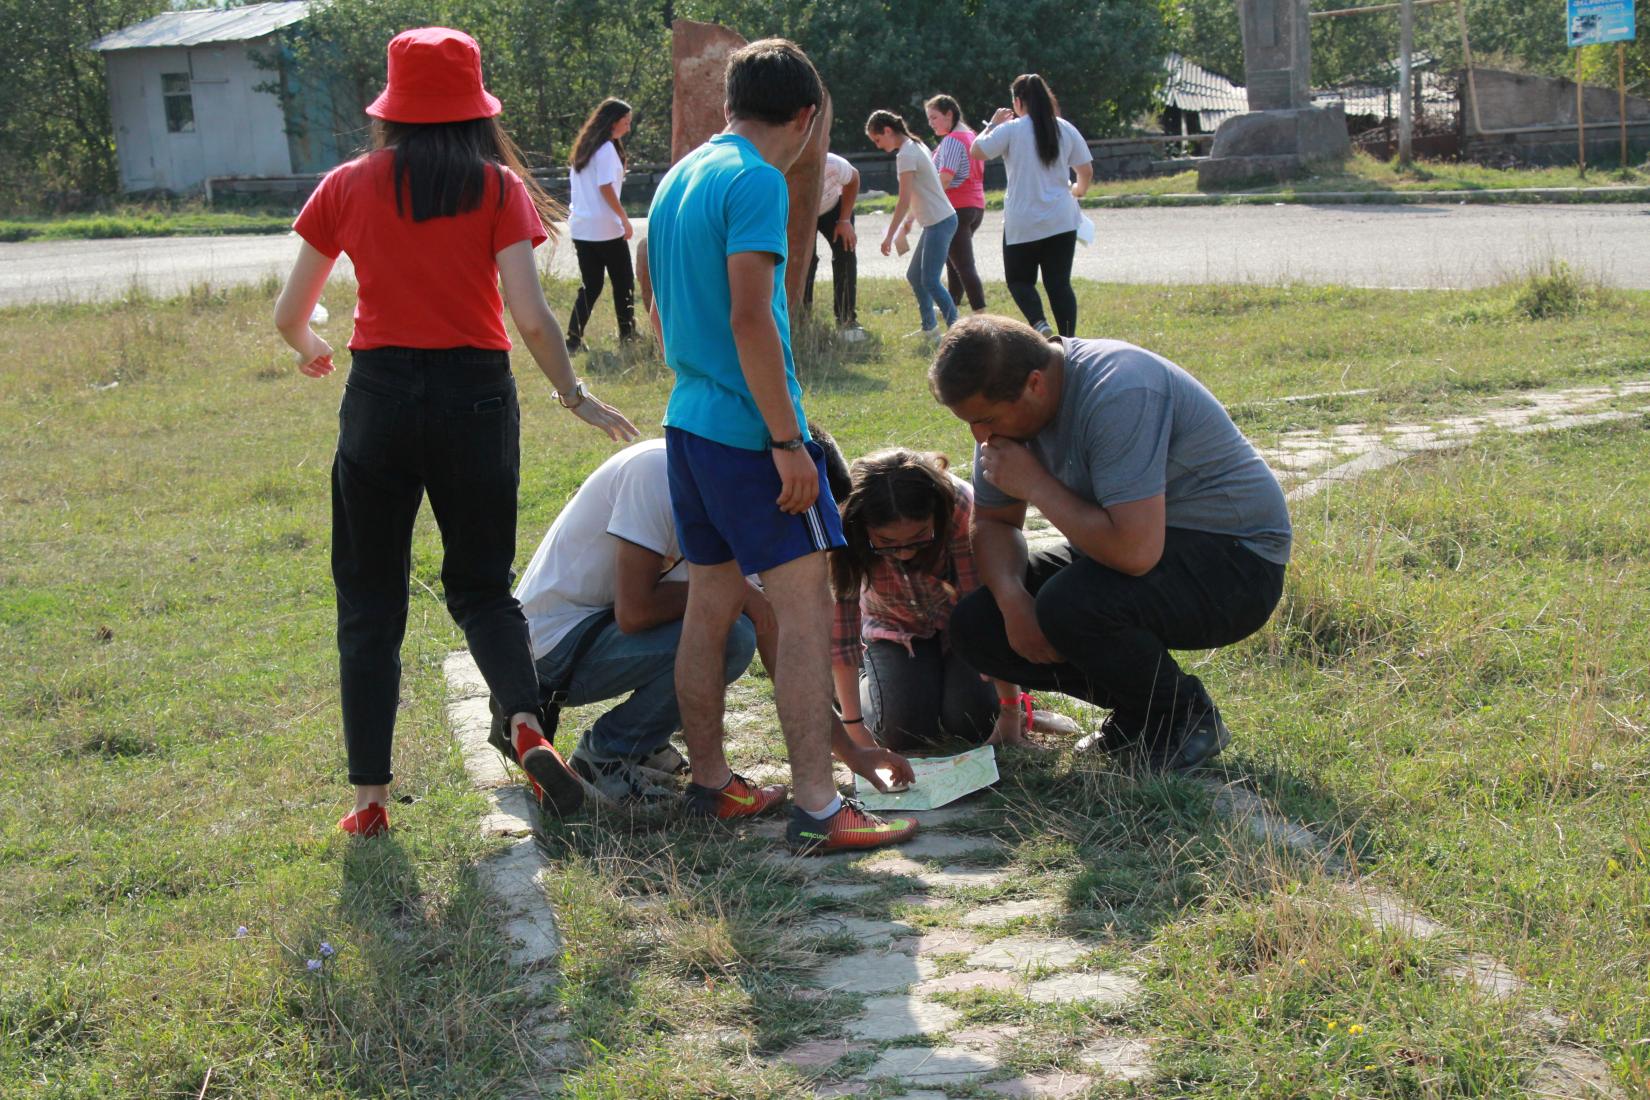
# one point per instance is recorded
(205, 27)
(213, 92)
(1202, 99)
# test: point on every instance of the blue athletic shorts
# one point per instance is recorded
(724, 498)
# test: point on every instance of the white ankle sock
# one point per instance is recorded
(821, 815)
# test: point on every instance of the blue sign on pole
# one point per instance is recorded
(1594, 22)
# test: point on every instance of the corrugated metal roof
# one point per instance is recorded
(1191, 87)
(197, 28)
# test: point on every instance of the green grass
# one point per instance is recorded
(1454, 684)
(143, 223)
(1362, 173)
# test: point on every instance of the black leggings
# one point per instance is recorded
(596, 258)
(916, 698)
(1053, 255)
(960, 273)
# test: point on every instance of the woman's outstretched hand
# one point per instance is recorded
(866, 762)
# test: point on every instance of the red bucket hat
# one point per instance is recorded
(435, 76)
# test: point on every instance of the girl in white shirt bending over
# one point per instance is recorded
(1040, 151)
(600, 229)
(921, 199)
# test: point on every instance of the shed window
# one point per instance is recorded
(180, 106)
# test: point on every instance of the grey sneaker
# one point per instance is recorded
(666, 763)
(1043, 330)
(620, 782)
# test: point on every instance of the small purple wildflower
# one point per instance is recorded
(241, 933)
(313, 964)
(326, 950)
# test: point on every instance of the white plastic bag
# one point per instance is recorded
(1085, 230)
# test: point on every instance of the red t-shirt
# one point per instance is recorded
(429, 284)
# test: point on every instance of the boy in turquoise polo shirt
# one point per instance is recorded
(747, 484)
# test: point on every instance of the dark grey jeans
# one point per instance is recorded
(914, 699)
(414, 422)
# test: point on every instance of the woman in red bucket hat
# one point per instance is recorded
(433, 218)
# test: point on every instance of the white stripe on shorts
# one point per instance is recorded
(816, 527)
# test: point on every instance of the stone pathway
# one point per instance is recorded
(910, 975)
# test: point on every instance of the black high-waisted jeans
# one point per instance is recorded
(416, 421)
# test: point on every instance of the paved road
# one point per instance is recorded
(1387, 246)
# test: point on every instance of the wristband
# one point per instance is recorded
(1023, 701)
(786, 444)
(853, 721)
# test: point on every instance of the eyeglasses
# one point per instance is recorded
(889, 551)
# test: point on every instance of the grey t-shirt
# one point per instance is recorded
(1132, 425)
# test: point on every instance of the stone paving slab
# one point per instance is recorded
(842, 891)
(1102, 988)
(947, 1065)
(938, 845)
(1055, 1085)
(1119, 1059)
(954, 877)
(513, 812)
(968, 980)
(864, 929)
(874, 972)
(1028, 952)
(991, 1038)
(901, 1017)
(821, 1053)
(1005, 911)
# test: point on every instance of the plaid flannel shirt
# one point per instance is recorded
(896, 604)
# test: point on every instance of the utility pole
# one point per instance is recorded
(1406, 106)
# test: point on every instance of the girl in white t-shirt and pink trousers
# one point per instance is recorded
(600, 229)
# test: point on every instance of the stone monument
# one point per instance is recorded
(699, 56)
(1283, 134)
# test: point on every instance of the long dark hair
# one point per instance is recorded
(441, 167)
(1042, 109)
(890, 486)
(888, 120)
(597, 129)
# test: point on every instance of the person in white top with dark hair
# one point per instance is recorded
(1041, 152)
(838, 191)
(600, 228)
(921, 200)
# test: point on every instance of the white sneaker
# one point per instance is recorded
(852, 334)
(932, 335)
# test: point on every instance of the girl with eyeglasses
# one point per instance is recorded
(907, 562)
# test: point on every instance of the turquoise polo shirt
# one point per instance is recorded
(720, 199)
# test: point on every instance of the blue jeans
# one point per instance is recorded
(927, 267)
(643, 664)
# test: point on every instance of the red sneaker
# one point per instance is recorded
(849, 829)
(740, 798)
(366, 823)
(558, 789)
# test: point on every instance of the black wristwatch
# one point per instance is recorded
(786, 444)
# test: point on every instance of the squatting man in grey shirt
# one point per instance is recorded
(1176, 532)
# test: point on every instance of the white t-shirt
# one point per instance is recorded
(832, 179)
(591, 218)
(1039, 202)
(928, 201)
(573, 574)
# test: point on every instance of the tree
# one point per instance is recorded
(56, 142)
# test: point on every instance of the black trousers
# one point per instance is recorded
(1053, 256)
(412, 422)
(961, 276)
(1115, 631)
(914, 699)
(612, 259)
(844, 270)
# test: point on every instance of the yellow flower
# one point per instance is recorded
(1333, 1024)
(1612, 866)
(1355, 1029)
(1370, 1068)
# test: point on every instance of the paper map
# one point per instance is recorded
(940, 779)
